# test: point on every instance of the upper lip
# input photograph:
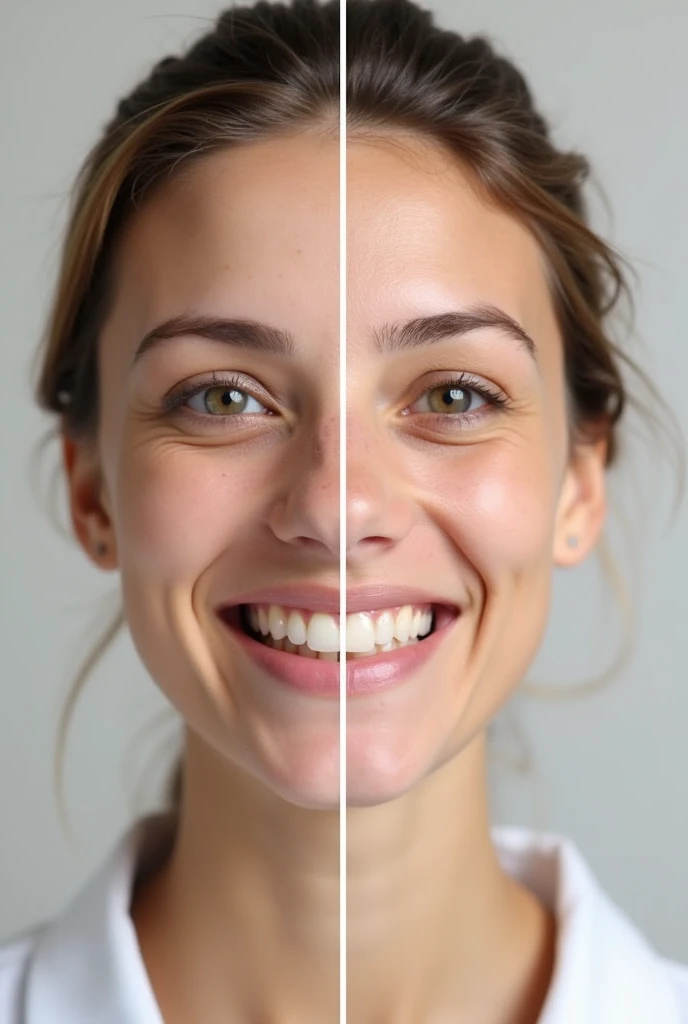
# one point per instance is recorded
(316, 598)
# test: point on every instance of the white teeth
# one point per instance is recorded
(296, 628)
(277, 618)
(323, 633)
(360, 633)
(402, 623)
(317, 634)
(384, 628)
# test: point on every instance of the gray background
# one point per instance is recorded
(609, 768)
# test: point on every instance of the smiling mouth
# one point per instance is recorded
(317, 635)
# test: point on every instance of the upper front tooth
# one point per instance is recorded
(296, 628)
(402, 623)
(322, 633)
(263, 623)
(360, 633)
(384, 628)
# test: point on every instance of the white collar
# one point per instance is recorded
(86, 966)
(605, 971)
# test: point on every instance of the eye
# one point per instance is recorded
(462, 396)
(224, 400)
(218, 398)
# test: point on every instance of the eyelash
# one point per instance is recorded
(176, 400)
(466, 382)
(463, 381)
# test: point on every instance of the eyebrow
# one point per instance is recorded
(240, 333)
(427, 330)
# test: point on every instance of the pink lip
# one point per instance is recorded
(321, 678)
(383, 671)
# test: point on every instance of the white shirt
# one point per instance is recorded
(86, 967)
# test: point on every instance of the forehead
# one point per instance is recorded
(244, 228)
(422, 239)
(253, 231)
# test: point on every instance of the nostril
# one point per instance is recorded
(368, 544)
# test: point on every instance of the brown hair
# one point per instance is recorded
(274, 68)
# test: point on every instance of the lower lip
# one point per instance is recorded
(318, 678)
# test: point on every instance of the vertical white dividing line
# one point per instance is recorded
(342, 511)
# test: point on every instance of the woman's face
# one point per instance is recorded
(217, 465)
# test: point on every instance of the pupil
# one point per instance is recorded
(451, 396)
(230, 397)
(224, 398)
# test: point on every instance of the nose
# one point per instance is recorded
(306, 512)
(379, 512)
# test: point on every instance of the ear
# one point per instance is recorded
(88, 502)
(582, 504)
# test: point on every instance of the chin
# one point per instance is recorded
(379, 776)
(312, 784)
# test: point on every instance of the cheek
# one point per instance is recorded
(179, 506)
(499, 506)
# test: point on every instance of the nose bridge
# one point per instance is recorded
(377, 505)
(306, 510)
(365, 472)
(316, 472)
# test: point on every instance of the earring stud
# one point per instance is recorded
(572, 541)
(101, 549)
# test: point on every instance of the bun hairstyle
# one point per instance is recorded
(272, 69)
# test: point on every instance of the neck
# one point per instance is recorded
(249, 902)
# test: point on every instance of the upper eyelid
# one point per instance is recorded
(469, 381)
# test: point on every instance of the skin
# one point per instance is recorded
(242, 921)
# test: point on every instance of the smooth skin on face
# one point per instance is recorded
(468, 494)
(242, 923)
